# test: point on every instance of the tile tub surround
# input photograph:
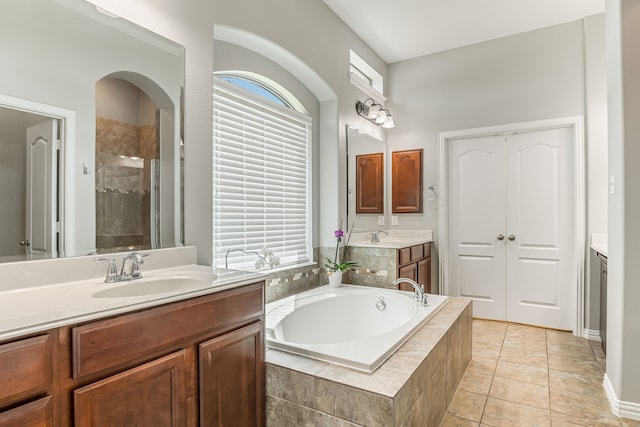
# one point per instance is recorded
(413, 387)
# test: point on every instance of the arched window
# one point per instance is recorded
(261, 175)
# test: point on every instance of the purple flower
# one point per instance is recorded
(338, 233)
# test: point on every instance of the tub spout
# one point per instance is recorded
(420, 295)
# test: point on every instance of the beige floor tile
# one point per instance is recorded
(562, 420)
(591, 405)
(525, 343)
(476, 382)
(526, 331)
(576, 382)
(526, 357)
(585, 352)
(483, 365)
(565, 338)
(523, 373)
(467, 405)
(540, 378)
(488, 337)
(516, 391)
(499, 412)
(453, 421)
(485, 350)
(489, 325)
(575, 364)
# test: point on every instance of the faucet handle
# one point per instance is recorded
(112, 270)
(131, 265)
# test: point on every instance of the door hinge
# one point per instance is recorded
(58, 227)
(58, 144)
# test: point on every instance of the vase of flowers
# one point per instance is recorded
(334, 267)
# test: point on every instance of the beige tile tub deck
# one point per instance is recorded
(414, 387)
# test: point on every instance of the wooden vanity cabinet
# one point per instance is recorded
(415, 263)
(197, 362)
(27, 382)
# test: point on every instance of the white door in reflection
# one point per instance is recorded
(41, 187)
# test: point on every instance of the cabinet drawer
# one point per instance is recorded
(427, 250)
(131, 338)
(34, 414)
(417, 252)
(26, 368)
(404, 256)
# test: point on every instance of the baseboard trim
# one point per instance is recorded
(620, 408)
(591, 334)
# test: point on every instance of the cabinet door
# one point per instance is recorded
(34, 414)
(153, 394)
(424, 274)
(232, 379)
(409, 272)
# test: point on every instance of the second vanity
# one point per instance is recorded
(390, 255)
(108, 354)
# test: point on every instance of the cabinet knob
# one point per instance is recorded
(511, 237)
(500, 236)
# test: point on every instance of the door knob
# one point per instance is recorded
(500, 236)
(511, 237)
(24, 243)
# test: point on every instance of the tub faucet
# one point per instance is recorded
(419, 294)
(375, 235)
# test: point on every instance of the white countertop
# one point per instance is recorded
(395, 239)
(599, 243)
(38, 308)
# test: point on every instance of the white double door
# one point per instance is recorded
(511, 226)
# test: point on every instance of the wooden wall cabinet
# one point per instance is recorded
(415, 263)
(406, 181)
(370, 183)
(188, 363)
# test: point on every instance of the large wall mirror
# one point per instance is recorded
(91, 145)
(366, 181)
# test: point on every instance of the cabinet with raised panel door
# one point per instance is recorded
(27, 381)
(196, 362)
(414, 263)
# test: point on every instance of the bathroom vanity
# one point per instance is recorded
(195, 358)
(393, 254)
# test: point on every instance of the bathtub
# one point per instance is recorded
(344, 325)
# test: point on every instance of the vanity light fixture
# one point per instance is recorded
(375, 113)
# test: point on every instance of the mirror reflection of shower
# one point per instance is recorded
(127, 166)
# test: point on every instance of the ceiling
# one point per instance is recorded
(404, 29)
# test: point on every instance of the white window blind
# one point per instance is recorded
(261, 179)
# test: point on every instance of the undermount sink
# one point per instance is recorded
(136, 288)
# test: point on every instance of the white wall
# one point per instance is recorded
(529, 76)
(623, 317)
(308, 31)
(596, 157)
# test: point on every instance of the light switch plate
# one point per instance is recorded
(381, 220)
(394, 220)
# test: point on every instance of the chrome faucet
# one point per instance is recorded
(375, 235)
(130, 267)
(419, 294)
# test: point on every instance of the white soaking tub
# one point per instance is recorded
(345, 326)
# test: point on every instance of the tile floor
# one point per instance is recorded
(527, 376)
